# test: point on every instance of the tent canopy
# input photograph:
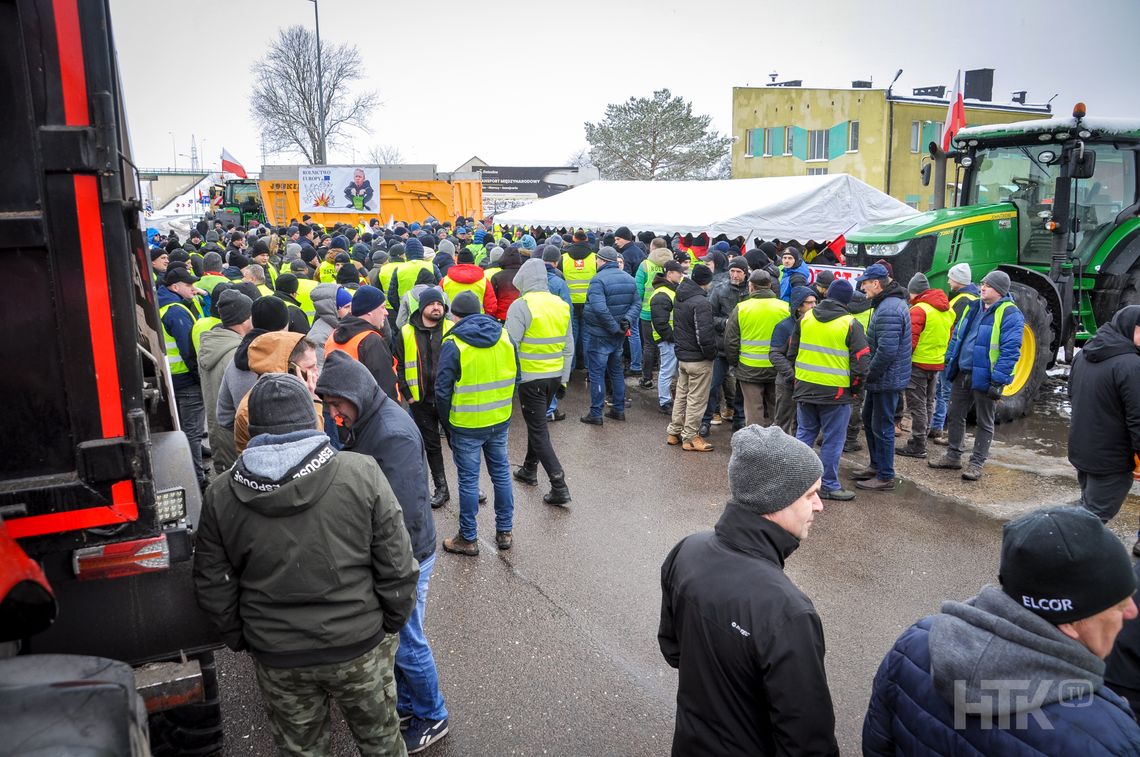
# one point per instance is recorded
(786, 207)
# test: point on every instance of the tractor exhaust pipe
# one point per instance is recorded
(938, 158)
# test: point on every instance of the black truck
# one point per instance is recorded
(97, 485)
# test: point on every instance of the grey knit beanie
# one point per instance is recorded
(918, 284)
(769, 470)
(998, 281)
(279, 404)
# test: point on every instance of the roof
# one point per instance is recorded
(1097, 127)
(815, 207)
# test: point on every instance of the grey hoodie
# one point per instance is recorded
(993, 638)
(214, 356)
(531, 277)
(324, 303)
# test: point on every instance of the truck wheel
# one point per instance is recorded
(1029, 373)
(1130, 294)
(194, 729)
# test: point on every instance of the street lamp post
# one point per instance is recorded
(173, 149)
(320, 87)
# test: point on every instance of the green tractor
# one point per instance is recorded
(237, 201)
(1054, 204)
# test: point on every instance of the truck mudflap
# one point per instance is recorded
(168, 685)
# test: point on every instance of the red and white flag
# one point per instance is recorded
(230, 164)
(955, 113)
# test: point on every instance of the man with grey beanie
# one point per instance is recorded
(748, 644)
(980, 362)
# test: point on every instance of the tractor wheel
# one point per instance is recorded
(1029, 373)
(1130, 295)
(193, 729)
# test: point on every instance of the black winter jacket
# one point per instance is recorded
(1104, 388)
(693, 329)
(428, 345)
(748, 644)
(723, 299)
(661, 307)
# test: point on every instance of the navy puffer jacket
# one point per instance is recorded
(611, 297)
(889, 338)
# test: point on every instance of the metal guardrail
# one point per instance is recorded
(187, 172)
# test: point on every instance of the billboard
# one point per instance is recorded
(509, 187)
(339, 189)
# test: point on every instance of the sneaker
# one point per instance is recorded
(947, 462)
(941, 438)
(593, 420)
(853, 446)
(557, 415)
(645, 383)
(460, 546)
(420, 734)
(972, 472)
(704, 430)
(911, 450)
(672, 440)
(728, 415)
(666, 408)
(405, 720)
(839, 495)
(609, 401)
(697, 444)
(876, 485)
(864, 474)
(716, 419)
(617, 415)
(503, 539)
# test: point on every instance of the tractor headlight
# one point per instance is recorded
(885, 250)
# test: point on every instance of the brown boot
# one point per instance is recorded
(864, 474)
(697, 444)
(672, 440)
(461, 546)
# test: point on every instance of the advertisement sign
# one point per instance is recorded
(535, 181)
(840, 273)
(339, 189)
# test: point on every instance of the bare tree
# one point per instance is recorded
(385, 155)
(655, 137)
(285, 104)
(580, 158)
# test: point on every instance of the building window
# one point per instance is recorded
(748, 151)
(788, 140)
(817, 171)
(938, 132)
(915, 135)
(818, 144)
(852, 136)
(767, 142)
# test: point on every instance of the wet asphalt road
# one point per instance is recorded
(551, 648)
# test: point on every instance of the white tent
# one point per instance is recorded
(801, 207)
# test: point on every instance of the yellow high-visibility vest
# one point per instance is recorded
(540, 351)
(486, 386)
(758, 317)
(578, 274)
(823, 357)
(935, 336)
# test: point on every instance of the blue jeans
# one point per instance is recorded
(668, 369)
(192, 419)
(635, 348)
(602, 358)
(417, 680)
(720, 375)
(832, 421)
(465, 446)
(879, 425)
(941, 402)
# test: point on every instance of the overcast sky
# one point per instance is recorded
(513, 81)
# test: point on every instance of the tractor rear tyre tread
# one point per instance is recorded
(1033, 306)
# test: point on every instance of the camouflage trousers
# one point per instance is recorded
(298, 703)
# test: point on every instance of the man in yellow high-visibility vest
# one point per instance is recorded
(963, 291)
(831, 358)
(748, 345)
(474, 395)
(930, 322)
(539, 323)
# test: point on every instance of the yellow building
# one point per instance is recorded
(796, 131)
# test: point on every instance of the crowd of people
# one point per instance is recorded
(299, 353)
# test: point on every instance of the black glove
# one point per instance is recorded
(561, 392)
(995, 392)
(623, 324)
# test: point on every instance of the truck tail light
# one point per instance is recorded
(126, 558)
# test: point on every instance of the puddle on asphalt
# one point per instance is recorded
(1046, 429)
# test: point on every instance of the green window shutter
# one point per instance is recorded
(799, 142)
(776, 141)
(928, 135)
(757, 142)
(837, 141)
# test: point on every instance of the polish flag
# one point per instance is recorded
(231, 165)
(839, 246)
(955, 113)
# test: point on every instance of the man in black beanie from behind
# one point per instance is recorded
(748, 644)
(1018, 669)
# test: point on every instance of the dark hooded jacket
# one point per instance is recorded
(723, 299)
(661, 307)
(325, 322)
(693, 330)
(748, 644)
(889, 337)
(428, 346)
(374, 352)
(503, 283)
(1104, 389)
(298, 321)
(610, 299)
(1059, 704)
(326, 598)
(385, 431)
(858, 356)
(479, 330)
(782, 337)
(237, 380)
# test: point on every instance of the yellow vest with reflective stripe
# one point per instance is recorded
(304, 296)
(453, 288)
(540, 351)
(326, 272)
(201, 326)
(265, 290)
(935, 336)
(211, 280)
(823, 357)
(385, 275)
(651, 270)
(758, 317)
(865, 318)
(995, 335)
(672, 294)
(174, 359)
(408, 273)
(970, 297)
(578, 274)
(486, 385)
(412, 358)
